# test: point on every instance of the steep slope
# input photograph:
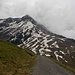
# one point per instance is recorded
(14, 60)
(25, 32)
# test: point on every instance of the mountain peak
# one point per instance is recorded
(28, 18)
(27, 15)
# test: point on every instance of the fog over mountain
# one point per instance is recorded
(57, 15)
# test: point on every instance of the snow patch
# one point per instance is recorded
(1, 21)
(56, 55)
(51, 46)
(73, 57)
(41, 51)
(27, 45)
(35, 43)
(61, 57)
(34, 50)
(45, 41)
(53, 36)
(19, 45)
(40, 32)
(72, 47)
(36, 35)
(66, 61)
(62, 52)
(55, 44)
(13, 39)
(47, 35)
(48, 55)
(51, 40)
(48, 50)
(27, 26)
(62, 39)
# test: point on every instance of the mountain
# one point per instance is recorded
(25, 32)
(14, 60)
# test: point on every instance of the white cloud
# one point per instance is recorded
(57, 15)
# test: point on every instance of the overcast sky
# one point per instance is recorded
(57, 15)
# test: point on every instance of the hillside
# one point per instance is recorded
(14, 60)
(25, 32)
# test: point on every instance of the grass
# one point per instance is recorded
(14, 60)
(68, 67)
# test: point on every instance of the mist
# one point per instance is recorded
(56, 15)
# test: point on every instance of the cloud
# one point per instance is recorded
(57, 15)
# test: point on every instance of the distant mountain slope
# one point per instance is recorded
(14, 60)
(25, 32)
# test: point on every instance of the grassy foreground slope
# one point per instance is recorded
(14, 60)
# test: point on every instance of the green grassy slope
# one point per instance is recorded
(14, 60)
